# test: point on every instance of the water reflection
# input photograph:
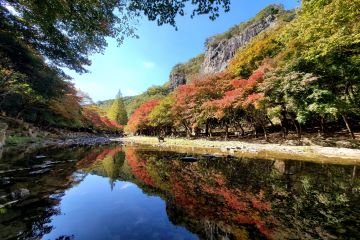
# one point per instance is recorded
(129, 192)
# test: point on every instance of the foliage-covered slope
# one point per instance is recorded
(300, 75)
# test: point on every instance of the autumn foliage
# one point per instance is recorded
(92, 114)
(139, 120)
(301, 74)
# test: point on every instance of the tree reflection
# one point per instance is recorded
(215, 198)
(255, 198)
(105, 162)
(30, 216)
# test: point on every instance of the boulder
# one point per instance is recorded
(20, 193)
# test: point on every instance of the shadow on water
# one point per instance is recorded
(131, 192)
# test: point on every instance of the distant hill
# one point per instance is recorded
(219, 50)
(133, 102)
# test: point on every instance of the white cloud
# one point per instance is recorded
(130, 92)
(148, 64)
(97, 91)
(125, 186)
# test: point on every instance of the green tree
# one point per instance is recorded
(325, 40)
(161, 116)
(66, 32)
(117, 111)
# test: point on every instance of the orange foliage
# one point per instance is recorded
(140, 117)
(189, 105)
(97, 154)
(242, 94)
(91, 113)
(68, 105)
(191, 190)
(138, 167)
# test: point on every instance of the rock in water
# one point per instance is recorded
(20, 193)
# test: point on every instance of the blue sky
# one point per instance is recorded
(140, 63)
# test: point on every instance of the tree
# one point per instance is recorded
(153, 92)
(244, 100)
(139, 121)
(302, 72)
(189, 99)
(117, 111)
(161, 117)
(68, 106)
(28, 84)
(324, 40)
(94, 119)
(66, 32)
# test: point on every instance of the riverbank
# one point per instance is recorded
(28, 145)
(17, 135)
(334, 155)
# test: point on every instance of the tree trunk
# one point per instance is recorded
(188, 131)
(271, 123)
(242, 130)
(348, 126)
(296, 125)
(322, 124)
(353, 175)
(264, 129)
(254, 126)
(226, 132)
(284, 121)
(207, 129)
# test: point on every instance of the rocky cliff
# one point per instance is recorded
(181, 72)
(176, 79)
(221, 48)
(219, 53)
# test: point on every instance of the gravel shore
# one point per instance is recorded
(268, 150)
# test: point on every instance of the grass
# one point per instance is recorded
(20, 140)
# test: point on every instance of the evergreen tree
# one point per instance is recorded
(117, 111)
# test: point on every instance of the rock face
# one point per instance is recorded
(177, 79)
(218, 55)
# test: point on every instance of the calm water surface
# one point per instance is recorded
(132, 192)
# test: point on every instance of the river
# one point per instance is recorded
(137, 192)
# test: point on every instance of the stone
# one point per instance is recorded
(20, 193)
(33, 132)
(218, 55)
(177, 79)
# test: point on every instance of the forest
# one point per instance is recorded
(299, 76)
(39, 39)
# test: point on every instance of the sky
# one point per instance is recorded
(140, 63)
